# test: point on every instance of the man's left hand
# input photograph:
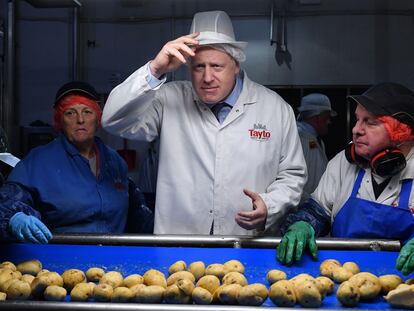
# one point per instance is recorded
(405, 260)
(255, 219)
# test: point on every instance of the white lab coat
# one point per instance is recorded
(315, 157)
(337, 182)
(204, 165)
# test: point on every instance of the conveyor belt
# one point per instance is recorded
(138, 259)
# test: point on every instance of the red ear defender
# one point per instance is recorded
(386, 163)
(353, 157)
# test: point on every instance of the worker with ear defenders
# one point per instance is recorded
(366, 190)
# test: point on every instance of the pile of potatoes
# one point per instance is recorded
(354, 285)
(214, 284)
(302, 289)
(200, 284)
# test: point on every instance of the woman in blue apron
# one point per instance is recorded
(366, 189)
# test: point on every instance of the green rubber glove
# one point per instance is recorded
(405, 260)
(298, 238)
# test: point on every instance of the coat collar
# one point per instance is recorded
(72, 150)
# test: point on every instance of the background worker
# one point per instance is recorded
(230, 161)
(366, 190)
(73, 184)
(313, 121)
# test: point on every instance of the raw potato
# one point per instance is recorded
(3, 296)
(54, 293)
(252, 295)
(39, 285)
(155, 277)
(17, 274)
(121, 294)
(327, 266)
(198, 269)
(209, 282)
(71, 277)
(227, 294)
(340, 274)
(186, 286)
(54, 278)
(233, 266)
(401, 297)
(282, 293)
(302, 277)
(202, 296)
(389, 282)
(148, 294)
(8, 265)
(348, 294)
(179, 276)
(216, 269)
(94, 274)
(102, 292)
(32, 267)
(5, 275)
(308, 294)
(351, 266)
(18, 290)
(113, 278)
(28, 278)
(8, 283)
(133, 279)
(82, 291)
(135, 288)
(177, 266)
(41, 272)
(275, 275)
(368, 284)
(174, 294)
(326, 285)
(234, 277)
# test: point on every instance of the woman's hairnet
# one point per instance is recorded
(71, 100)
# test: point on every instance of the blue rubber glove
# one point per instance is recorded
(405, 260)
(299, 236)
(29, 229)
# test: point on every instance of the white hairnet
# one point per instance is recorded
(233, 51)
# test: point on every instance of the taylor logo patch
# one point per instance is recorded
(259, 132)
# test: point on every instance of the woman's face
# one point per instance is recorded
(369, 134)
(79, 124)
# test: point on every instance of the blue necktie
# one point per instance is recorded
(219, 112)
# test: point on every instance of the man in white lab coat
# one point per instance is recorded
(314, 117)
(230, 160)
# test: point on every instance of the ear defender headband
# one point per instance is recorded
(386, 163)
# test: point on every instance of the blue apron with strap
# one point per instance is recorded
(359, 218)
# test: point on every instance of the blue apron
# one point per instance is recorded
(359, 218)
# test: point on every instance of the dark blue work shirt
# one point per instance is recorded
(55, 183)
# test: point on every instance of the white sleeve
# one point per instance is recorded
(336, 184)
(133, 110)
